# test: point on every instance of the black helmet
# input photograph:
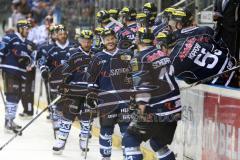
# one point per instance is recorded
(183, 16)
(23, 24)
(103, 16)
(107, 32)
(150, 9)
(166, 14)
(167, 39)
(145, 35)
(86, 34)
(98, 30)
(128, 13)
(113, 13)
(141, 18)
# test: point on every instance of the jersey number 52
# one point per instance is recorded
(202, 58)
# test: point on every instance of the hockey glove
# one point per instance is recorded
(45, 75)
(91, 100)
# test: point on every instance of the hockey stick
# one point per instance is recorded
(40, 95)
(209, 78)
(91, 108)
(19, 133)
(2, 96)
(51, 109)
(89, 130)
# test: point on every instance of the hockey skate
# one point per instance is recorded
(11, 127)
(83, 144)
(59, 146)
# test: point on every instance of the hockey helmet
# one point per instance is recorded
(141, 18)
(107, 32)
(86, 34)
(113, 13)
(150, 9)
(103, 16)
(145, 35)
(183, 16)
(167, 39)
(23, 24)
(98, 30)
(128, 13)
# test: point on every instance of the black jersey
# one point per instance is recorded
(108, 74)
(155, 83)
(197, 56)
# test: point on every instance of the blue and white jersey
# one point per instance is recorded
(128, 33)
(155, 84)
(16, 54)
(56, 55)
(108, 74)
(78, 63)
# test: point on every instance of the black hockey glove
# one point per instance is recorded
(45, 75)
(91, 100)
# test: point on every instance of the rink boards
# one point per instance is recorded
(209, 129)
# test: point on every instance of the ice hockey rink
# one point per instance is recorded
(208, 130)
(37, 141)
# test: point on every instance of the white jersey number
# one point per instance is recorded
(202, 58)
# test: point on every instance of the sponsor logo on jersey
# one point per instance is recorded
(116, 72)
(189, 44)
(160, 63)
(156, 55)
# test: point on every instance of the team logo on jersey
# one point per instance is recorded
(29, 47)
(102, 62)
(125, 57)
(68, 54)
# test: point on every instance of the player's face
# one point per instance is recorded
(62, 37)
(174, 25)
(24, 31)
(110, 42)
(85, 44)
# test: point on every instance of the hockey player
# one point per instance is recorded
(16, 62)
(157, 98)
(103, 19)
(57, 55)
(28, 95)
(151, 12)
(196, 55)
(107, 74)
(77, 67)
(42, 54)
(128, 32)
(165, 17)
